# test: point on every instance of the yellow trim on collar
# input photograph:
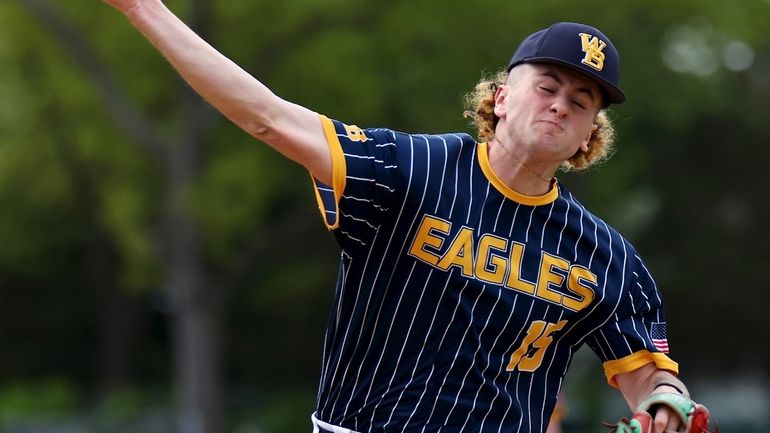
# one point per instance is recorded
(637, 360)
(530, 200)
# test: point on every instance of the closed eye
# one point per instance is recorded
(578, 103)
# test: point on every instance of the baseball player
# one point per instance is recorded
(469, 275)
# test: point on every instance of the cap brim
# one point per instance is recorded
(613, 94)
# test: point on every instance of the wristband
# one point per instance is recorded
(679, 390)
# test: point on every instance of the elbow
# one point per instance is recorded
(260, 131)
(260, 126)
(257, 116)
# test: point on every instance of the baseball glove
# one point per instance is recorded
(694, 416)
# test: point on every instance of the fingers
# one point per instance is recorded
(666, 421)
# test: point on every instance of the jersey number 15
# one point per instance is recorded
(537, 340)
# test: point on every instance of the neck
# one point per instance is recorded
(519, 174)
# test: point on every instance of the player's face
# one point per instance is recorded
(548, 111)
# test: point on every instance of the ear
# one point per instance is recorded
(584, 144)
(501, 94)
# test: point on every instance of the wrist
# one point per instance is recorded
(138, 10)
(669, 387)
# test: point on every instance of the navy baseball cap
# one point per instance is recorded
(577, 46)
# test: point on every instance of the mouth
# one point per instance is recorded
(552, 123)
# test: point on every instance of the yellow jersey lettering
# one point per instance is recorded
(577, 284)
(460, 253)
(355, 133)
(489, 266)
(489, 260)
(426, 237)
(532, 362)
(515, 281)
(535, 330)
(547, 277)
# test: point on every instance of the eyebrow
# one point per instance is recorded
(583, 89)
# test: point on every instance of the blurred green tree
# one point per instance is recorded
(119, 185)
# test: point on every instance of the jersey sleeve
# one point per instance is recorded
(364, 179)
(636, 334)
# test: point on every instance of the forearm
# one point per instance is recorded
(293, 130)
(220, 81)
(639, 384)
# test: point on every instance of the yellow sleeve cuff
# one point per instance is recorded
(339, 172)
(636, 360)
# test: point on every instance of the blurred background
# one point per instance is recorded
(160, 270)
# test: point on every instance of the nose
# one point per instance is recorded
(559, 106)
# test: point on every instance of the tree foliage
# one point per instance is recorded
(91, 118)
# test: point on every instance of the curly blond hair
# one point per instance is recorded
(480, 104)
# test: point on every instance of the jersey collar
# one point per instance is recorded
(530, 200)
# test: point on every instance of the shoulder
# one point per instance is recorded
(449, 139)
(434, 144)
(386, 135)
(591, 221)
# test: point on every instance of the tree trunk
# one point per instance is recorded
(195, 308)
(196, 311)
(195, 327)
(195, 320)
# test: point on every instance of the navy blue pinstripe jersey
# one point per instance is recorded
(459, 302)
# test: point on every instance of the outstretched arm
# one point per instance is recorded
(637, 385)
(293, 130)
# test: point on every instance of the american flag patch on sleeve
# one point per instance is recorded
(658, 336)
